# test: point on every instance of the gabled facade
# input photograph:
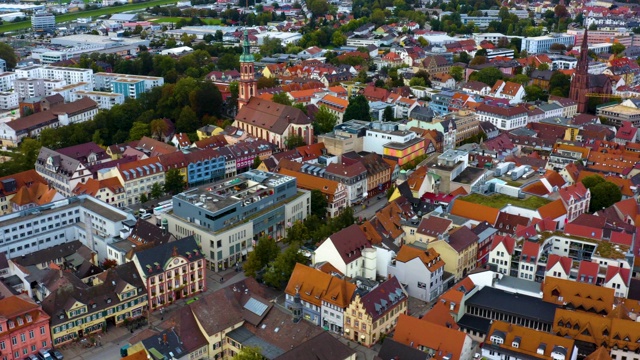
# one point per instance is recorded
(576, 199)
(376, 313)
(62, 172)
(349, 251)
(24, 328)
(519, 342)
(502, 250)
(171, 271)
(116, 295)
(419, 271)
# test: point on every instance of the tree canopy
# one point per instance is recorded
(324, 121)
(265, 250)
(174, 182)
(357, 109)
(603, 193)
(318, 204)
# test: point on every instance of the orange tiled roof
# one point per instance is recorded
(439, 314)
(473, 211)
(311, 182)
(37, 193)
(315, 286)
(415, 333)
(529, 340)
(582, 296)
(552, 210)
(430, 258)
(93, 186)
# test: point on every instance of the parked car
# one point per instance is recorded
(56, 355)
(43, 354)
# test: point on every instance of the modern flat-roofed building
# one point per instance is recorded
(6, 81)
(542, 44)
(83, 218)
(128, 85)
(8, 100)
(105, 100)
(628, 110)
(229, 217)
(43, 21)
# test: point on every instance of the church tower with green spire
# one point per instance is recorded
(248, 86)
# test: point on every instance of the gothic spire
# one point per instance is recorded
(246, 48)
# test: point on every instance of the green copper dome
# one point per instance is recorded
(246, 49)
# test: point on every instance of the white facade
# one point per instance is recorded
(503, 122)
(69, 75)
(67, 91)
(416, 278)
(51, 84)
(105, 100)
(328, 252)
(542, 44)
(618, 284)
(78, 218)
(513, 98)
(374, 140)
(8, 100)
(6, 81)
(103, 81)
(66, 118)
(557, 271)
(500, 257)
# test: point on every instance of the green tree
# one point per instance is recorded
(543, 67)
(338, 39)
(318, 204)
(604, 195)
(387, 115)
(156, 191)
(591, 181)
(301, 107)
(593, 27)
(228, 61)
(138, 131)
(271, 46)
(8, 55)
(324, 121)
(358, 109)
(559, 84)
(281, 268)
(318, 7)
(298, 232)
(489, 75)
(256, 162)
(187, 121)
(617, 48)
(457, 73)
(143, 198)
(294, 141)
(521, 79)
(174, 182)
(417, 81)
(533, 93)
(249, 353)
(265, 250)
(282, 98)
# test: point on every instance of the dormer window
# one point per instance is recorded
(20, 321)
(11, 324)
(29, 318)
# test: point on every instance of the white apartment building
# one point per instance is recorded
(542, 44)
(70, 75)
(103, 80)
(6, 81)
(82, 218)
(8, 100)
(27, 88)
(381, 133)
(502, 117)
(105, 100)
(137, 177)
(43, 21)
(67, 91)
(52, 84)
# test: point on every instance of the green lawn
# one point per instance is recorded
(499, 201)
(93, 13)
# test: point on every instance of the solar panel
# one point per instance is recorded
(256, 307)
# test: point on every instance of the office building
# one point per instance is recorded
(542, 44)
(43, 21)
(83, 218)
(228, 218)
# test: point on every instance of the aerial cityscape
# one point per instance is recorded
(320, 179)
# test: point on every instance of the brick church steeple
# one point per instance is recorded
(580, 83)
(248, 86)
